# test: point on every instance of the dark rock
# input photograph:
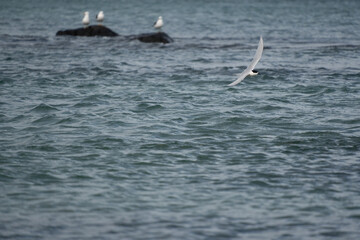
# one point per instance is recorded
(100, 30)
(155, 37)
(90, 31)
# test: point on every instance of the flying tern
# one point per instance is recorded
(250, 69)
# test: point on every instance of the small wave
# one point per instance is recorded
(214, 45)
(84, 104)
(67, 120)
(104, 142)
(92, 100)
(42, 148)
(156, 146)
(23, 38)
(341, 47)
(355, 216)
(260, 183)
(268, 107)
(43, 177)
(6, 80)
(354, 121)
(18, 118)
(47, 119)
(5, 177)
(145, 107)
(334, 233)
(80, 177)
(312, 89)
(44, 108)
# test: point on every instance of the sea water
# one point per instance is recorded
(107, 138)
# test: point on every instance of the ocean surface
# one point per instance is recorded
(107, 138)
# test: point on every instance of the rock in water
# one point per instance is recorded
(100, 30)
(90, 31)
(155, 37)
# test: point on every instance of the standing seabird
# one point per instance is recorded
(249, 71)
(158, 24)
(100, 17)
(86, 19)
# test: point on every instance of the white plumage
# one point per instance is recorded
(86, 19)
(250, 69)
(100, 16)
(159, 23)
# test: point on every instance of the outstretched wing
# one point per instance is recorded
(258, 54)
(241, 77)
(255, 60)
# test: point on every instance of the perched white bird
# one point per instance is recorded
(158, 24)
(100, 16)
(86, 19)
(250, 69)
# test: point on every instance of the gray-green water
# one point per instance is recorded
(105, 138)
